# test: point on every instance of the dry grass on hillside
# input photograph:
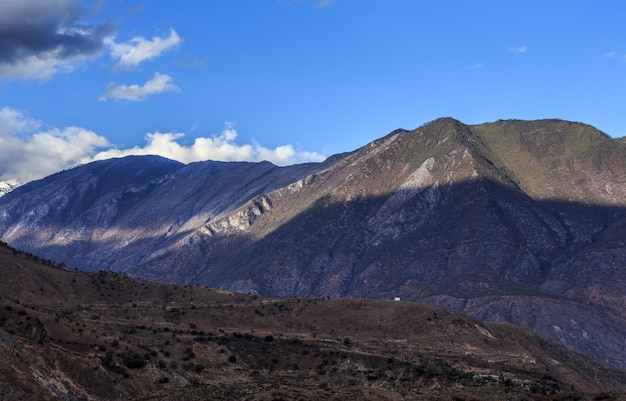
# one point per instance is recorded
(104, 336)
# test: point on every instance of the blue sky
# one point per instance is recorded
(290, 80)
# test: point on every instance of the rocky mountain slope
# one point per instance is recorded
(69, 335)
(518, 221)
(113, 213)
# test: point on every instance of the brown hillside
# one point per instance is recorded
(103, 336)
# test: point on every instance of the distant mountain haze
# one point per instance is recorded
(511, 221)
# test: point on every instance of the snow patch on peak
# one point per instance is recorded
(6, 187)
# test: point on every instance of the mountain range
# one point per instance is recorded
(512, 221)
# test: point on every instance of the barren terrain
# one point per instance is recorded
(68, 335)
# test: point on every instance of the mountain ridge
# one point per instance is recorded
(448, 213)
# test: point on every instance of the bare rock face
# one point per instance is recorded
(517, 221)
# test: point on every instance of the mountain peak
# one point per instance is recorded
(547, 156)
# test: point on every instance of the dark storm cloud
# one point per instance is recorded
(47, 31)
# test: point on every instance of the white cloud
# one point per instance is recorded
(138, 49)
(220, 147)
(41, 38)
(40, 67)
(13, 122)
(519, 49)
(157, 84)
(27, 154)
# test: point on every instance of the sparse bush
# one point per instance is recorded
(295, 340)
(134, 361)
(108, 363)
(441, 369)
(188, 354)
(187, 366)
(107, 359)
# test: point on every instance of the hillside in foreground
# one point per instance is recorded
(68, 335)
